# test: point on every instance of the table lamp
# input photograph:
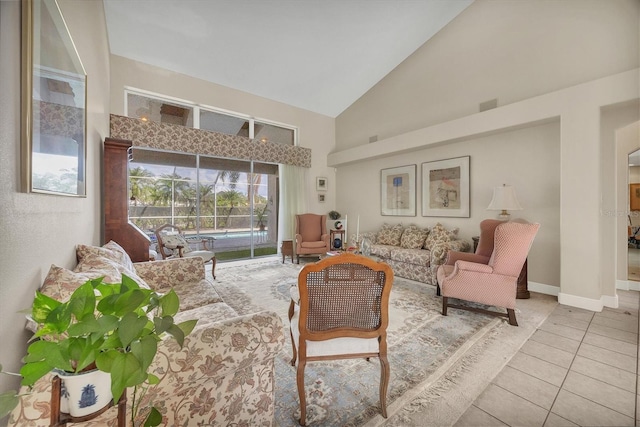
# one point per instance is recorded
(504, 199)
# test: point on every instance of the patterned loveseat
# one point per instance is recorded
(224, 373)
(413, 252)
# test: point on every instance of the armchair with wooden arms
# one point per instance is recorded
(490, 281)
(173, 244)
(340, 310)
(311, 235)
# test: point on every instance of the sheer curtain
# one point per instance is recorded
(293, 199)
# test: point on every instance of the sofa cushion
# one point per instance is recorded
(195, 295)
(413, 237)
(389, 235)
(383, 251)
(411, 256)
(206, 314)
(439, 234)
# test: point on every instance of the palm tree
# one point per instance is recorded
(231, 199)
(139, 185)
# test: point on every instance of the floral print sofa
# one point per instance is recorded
(413, 252)
(224, 373)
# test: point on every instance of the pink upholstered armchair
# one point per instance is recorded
(311, 235)
(489, 280)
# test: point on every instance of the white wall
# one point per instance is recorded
(316, 131)
(528, 159)
(504, 49)
(571, 61)
(38, 230)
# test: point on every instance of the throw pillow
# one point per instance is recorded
(60, 283)
(439, 234)
(111, 250)
(390, 235)
(111, 270)
(413, 237)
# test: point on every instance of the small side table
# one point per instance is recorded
(333, 234)
(287, 249)
(522, 291)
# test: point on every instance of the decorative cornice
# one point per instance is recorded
(165, 136)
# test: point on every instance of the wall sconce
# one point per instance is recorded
(504, 199)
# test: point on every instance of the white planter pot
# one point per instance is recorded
(84, 393)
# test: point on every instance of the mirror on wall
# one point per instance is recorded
(53, 104)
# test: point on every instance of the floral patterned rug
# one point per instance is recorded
(345, 392)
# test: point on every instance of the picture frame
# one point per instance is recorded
(445, 188)
(634, 197)
(321, 183)
(398, 191)
(321, 197)
(54, 104)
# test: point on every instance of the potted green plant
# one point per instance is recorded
(110, 328)
(261, 216)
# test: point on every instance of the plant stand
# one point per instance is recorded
(61, 419)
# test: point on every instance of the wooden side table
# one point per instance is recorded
(287, 249)
(333, 234)
(522, 291)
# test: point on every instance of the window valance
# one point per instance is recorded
(165, 136)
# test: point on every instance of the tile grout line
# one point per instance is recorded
(568, 370)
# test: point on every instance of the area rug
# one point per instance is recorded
(421, 342)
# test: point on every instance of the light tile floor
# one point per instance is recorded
(579, 368)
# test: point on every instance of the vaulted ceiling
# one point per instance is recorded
(319, 55)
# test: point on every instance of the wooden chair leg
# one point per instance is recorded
(438, 292)
(213, 268)
(384, 384)
(444, 306)
(301, 392)
(298, 259)
(293, 344)
(512, 317)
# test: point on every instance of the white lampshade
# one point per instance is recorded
(504, 199)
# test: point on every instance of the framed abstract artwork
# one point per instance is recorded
(398, 191)
(445, 188)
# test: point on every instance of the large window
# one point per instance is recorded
(232, 203)
(156, 108)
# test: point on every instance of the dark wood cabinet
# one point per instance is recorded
(117, 226)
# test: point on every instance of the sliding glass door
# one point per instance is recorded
(233, 203)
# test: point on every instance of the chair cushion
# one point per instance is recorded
(389, 235)
(173, 240)
(313, 245)
(310, 227)
(333, 346)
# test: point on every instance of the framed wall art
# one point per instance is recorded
(321, 183)
(398, 191)
(634, 197)
(54, 84)
(445, 188)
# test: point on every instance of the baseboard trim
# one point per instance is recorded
(541, 288)
(628, 285)
(610, 301)
(581, 302)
